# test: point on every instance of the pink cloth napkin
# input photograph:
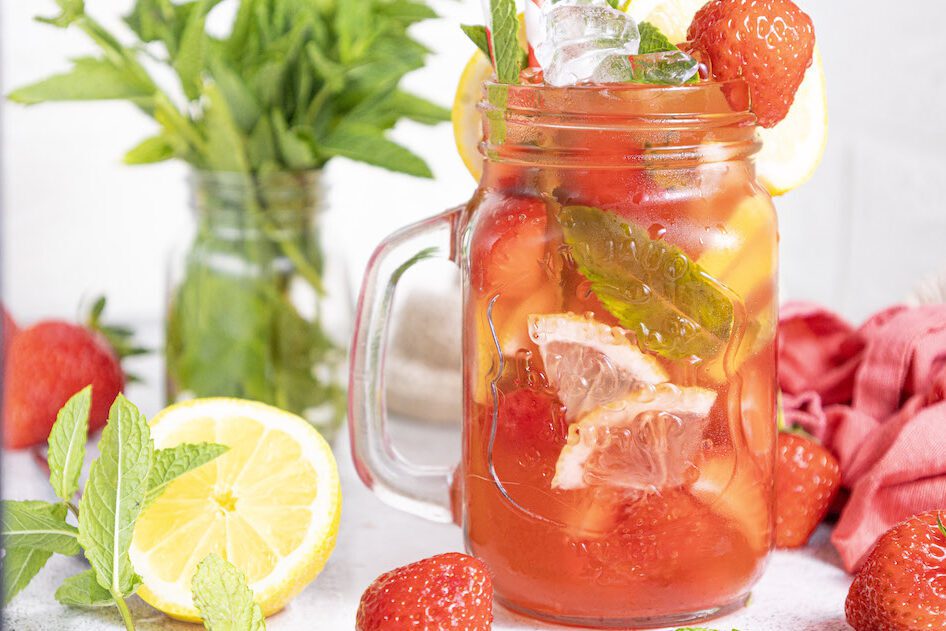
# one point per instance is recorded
(876, 397)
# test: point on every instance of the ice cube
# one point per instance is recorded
(671, 68)
(586, 41)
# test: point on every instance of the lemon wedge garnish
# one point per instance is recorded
(270, 505)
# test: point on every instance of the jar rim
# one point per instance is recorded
(633, 101)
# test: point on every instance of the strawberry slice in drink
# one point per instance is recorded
(510, 254)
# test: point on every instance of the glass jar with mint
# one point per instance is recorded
(257, 307)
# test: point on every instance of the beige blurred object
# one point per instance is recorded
(424, 371)
(931, 290)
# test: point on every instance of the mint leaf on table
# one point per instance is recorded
(170, 464)
(651, 287)
(83, 590)
(223, 598)
(506, 52)
(477, 35)
(653, 40)
(20, 565)
(67, 444)
(36, 526)
(113, 497)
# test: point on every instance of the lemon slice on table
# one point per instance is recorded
(792, 150)
(270, 505)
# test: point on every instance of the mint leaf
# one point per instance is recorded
(507, 55)
(170, 464)
(114, 495)
(67, 444)
(226, 145)
(653, 40)
(652, 287)
(365, 144)
(223, 598)
(20, 565)
(189, 57)
(416, 108)
(477, 35)
(150, 150)
(89, 79)
(35, 525)
(83, 590)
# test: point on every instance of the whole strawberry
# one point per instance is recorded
(49, 362)
(902, 584)
(448, 591)
(807, 478)
(770, 43)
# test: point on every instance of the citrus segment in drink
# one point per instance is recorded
(642, 442)
(590, 363)
(270, 505)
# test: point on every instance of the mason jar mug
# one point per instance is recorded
(619, 286)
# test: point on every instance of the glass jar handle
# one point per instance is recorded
(417, 489)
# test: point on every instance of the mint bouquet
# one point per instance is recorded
(256, 112)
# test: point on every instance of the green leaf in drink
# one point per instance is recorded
(223, 598)
(653, 40)
(83, 590)
(652, 287)
(67, 444)
(477, 35)
(507, 54)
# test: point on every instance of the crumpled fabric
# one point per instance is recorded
(876, 397)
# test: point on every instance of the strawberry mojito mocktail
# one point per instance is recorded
(620, 307)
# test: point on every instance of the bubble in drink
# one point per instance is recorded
(578, 41)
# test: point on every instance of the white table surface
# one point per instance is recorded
(801, 591)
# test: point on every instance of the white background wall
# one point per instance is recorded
(77, 222)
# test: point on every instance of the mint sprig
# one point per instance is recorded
(128, 474)
(505, 49)
(113, 497)
(282, 90)
(223, 598)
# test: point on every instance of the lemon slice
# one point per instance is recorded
(643, 442)
(589, 362)
(672, 17)
(738, 494)
(792, 150)
(270, 505)
(467, 128)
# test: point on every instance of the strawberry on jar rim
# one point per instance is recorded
(769, 43)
